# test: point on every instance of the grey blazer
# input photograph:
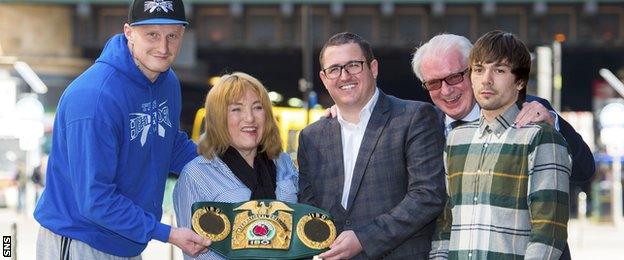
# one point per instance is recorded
(398, 186)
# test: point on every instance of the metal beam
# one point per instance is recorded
(221, 2)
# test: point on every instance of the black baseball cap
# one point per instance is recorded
(144, 12)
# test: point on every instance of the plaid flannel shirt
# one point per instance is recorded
(508, 192)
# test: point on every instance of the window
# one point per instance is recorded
(363, 21)
(263, 26)
(506, 18)
(606, 27)
(558, 20)
(213, 26)
(456, 20)
(320, 26)
(110, 22)
(410, 26)
(609, 24)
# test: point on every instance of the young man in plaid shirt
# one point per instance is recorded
(507, 185)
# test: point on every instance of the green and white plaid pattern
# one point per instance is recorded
(508, 192)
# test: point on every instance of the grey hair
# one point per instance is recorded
(440, 44)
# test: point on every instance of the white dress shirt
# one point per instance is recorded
(472, 116)
(352, 135)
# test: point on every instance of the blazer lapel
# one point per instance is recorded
(441, 119)
(375, 127)
(335, 159)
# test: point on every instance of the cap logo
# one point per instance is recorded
(158, 5)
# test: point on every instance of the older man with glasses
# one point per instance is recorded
(442, 65)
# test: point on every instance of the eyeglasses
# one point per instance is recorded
(452, 79)
(352, 67)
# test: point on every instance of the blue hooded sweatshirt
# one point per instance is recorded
(116, 137)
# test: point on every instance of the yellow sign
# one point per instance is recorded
(290, 122)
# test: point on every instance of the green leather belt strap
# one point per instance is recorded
(264, 229)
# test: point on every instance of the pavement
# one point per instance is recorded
(587, 240)
(24, 247)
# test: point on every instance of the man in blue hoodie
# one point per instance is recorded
(116, 137)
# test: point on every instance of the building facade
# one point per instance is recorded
(279, 41)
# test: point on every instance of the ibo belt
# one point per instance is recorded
(264, 229)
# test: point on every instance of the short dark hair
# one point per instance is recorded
(345, 38)
(497, 46)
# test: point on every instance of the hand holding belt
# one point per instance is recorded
(264, 229)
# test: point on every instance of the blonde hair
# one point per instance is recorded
(229, 89)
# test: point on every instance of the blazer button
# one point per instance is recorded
(348, 222)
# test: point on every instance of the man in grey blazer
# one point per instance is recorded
(377, 166)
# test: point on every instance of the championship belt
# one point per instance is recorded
(264, 229)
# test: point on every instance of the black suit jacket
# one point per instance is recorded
(398, 186)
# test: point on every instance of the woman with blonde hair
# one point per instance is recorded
(240, 152)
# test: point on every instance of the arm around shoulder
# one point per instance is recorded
(584, 166)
